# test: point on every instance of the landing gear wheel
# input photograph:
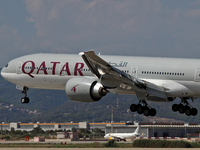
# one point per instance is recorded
(140, 109)
(24, 100)
(146, 111)
(175, 107)
(181, 108)
(194, 111)
(188, 111)
(27, 100)
(152, 112)
(133, 107)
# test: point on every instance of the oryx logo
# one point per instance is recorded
(74, 88)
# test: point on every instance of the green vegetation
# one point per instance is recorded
(145, 143)
(20, 135)
(38, 132)
(110, 143)
(161, 144)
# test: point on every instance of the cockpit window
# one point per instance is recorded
(6, 66)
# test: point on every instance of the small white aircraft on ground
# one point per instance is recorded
(123, 136)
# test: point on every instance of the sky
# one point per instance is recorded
(160, 28)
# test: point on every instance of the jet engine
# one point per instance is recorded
(84, 89)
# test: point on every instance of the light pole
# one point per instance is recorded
(153, 127)
(112, 121)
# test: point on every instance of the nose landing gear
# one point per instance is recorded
(25, 99)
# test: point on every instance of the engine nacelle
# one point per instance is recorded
(84, 89)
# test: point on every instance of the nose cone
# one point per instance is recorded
(3, 73)
(106, 136)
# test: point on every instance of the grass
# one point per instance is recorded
(137, 143)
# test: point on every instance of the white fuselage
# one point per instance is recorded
(121, 135)
(52, 71)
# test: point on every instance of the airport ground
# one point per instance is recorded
(99, 148)
(71, 145)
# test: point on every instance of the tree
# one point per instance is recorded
(74, 129)
(37, 130)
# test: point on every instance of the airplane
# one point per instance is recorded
(123, 136)
(88, 77)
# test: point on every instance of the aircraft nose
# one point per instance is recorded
(3, 73)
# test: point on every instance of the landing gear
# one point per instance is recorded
(144, 108)
(25, 99)
(185, 107)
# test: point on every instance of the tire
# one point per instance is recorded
(181, 109)
(140, 109)
(175, 107)
(152, 112)
(146, 111)
(26, 100)
(194, 111)
(188, 111)
(133, 107)
(23, 100)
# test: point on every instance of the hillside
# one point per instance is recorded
(54, 106)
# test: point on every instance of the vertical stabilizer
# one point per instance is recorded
(137, 130)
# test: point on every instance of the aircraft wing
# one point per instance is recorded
(117, 137)
(113, 78)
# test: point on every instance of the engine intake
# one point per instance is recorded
(84, 89)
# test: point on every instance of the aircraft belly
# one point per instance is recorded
(177, 88)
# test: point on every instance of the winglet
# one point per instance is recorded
(81, 53)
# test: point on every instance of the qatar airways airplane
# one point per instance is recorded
(88, 77)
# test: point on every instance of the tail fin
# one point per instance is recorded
(137, 129)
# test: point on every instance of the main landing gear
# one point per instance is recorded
(143, 107)
(25, 99)
(185, 107)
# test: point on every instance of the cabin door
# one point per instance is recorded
(197, 75)
(134, 71)
(19, 68)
